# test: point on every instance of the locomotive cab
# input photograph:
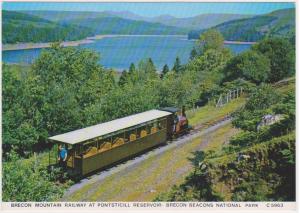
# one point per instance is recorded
(177, 122)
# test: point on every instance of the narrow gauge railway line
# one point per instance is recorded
(198, 131)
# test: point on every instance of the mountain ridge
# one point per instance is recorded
(20, 27)
(277, 23)
(193, 22)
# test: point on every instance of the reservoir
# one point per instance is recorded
(120, 52)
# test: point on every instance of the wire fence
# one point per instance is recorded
(230, 95)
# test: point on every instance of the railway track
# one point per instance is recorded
(196, 132)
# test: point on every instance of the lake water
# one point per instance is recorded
(119, 52)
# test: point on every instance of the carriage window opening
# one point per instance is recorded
(149, 126)
(154, 127)
(78, 150)
(155, 123)
(117, 136)
(141, 130)
(100, 142)
(105, 143)
(162, 124)
(130, 134)
(118, 139)
(89, 146)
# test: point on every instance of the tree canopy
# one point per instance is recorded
(211, 39)
(248, 65)
(281, 55)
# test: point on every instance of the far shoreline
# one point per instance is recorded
(240, 42)
(88, 40)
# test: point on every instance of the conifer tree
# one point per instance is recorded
(123, 79)
(193, 53)
(165, 70)
(177, 65)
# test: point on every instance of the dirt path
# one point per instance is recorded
(143, 178)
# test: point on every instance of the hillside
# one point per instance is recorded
(278, 23)
(50, 26)
(115, 25)
(264, 157)
(20, 27)
(195, 22)
(202, 21)
(58, 16)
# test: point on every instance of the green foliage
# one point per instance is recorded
(132, 68)
(197, 187)
(281, 55)
(165, 70)
(280, 23)
(123, 78)
(248, 65)
(19, 27)
(247, 86)
(211, 39)
(210, 61)
(258, 105)
(178, 90)
(256, 165)
(193, 53)
(120, 26)
(52, 97)
(126, 100)
(177, 68)
(148, 68)
(245, 138)
(269, 165)
(25, 180)
(206, 71)
(262, 98)
(67, 89)
(256, 190)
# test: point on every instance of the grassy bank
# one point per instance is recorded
(210, 113)
(154, 175)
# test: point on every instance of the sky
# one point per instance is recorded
(179, 10)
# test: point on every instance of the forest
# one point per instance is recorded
(22, 27)
(280, 23)
(19, 27)
(66, 89)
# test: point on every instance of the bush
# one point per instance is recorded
(244, 138)
(249, 65)
(25, 180)
(281, 55)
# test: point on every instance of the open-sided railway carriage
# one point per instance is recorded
(95, 147)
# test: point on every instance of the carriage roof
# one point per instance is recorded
(106, 128)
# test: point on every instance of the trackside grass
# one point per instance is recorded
(154, 175)
(210, 113)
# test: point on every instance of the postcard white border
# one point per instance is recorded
(289, 207)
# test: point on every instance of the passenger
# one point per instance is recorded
(176, 120)
(62, 157)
